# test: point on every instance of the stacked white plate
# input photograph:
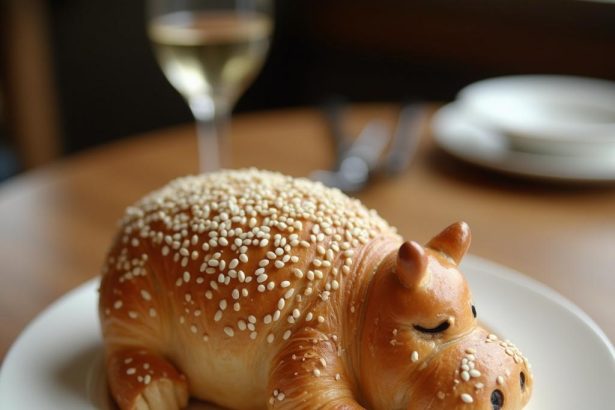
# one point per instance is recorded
(553, 127)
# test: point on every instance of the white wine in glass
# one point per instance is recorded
(210, 51)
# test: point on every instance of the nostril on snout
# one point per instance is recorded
(497, 399)
(522, 381)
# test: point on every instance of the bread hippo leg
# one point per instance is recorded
(309, 374)
(141, 380)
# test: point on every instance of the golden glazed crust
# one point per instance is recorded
(255, 290)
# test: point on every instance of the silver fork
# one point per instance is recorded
(356, 163)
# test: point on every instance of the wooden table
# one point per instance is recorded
(56, 223)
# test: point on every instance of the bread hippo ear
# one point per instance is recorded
(453, 241)
(411, 264)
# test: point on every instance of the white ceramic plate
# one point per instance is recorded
(461, 136)
(56, 362)
(548, 113)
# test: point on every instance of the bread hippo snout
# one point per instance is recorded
(480, 371)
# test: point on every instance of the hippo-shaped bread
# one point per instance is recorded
(254, 290)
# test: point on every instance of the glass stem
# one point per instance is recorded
(211, 122)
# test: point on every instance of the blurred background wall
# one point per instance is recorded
(78, 73)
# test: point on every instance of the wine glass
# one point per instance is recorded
(210, 51)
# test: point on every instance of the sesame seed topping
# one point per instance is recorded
(218, 220)
(316, 372)
(229, 331)
(414, 357)
(466, 398)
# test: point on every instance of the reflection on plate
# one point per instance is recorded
(57, 361)
(465, 139)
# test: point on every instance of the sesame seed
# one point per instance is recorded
(286, 335)
(499, 380)
(218, 316)
(466, 398)
(414, 357)
(270, 338)
(475, 373)
(145, 295)
(229, 331)
(316, 372)
(131, 370)
(321, 319)
(284, 284)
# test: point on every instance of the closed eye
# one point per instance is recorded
(440, 328)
